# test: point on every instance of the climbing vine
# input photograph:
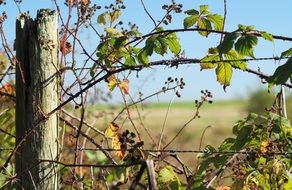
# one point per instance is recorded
(257, 156)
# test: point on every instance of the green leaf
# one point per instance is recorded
(130, 61)
(245, 28)
(119, 42)
(242, 136)
(245, 44)
(101, 19)
(224, 73)
(267, 36)
(173, 43)
(287, 53)
(217, 20)
(208, 150)
(262, 160)
(143, 57)
(288, 185)
(159, 29)
(233, 55)
(192, 12)
(204, 9)
(166, 175)
(160, 45)
(150, 45)
(206, 62)
(227, 145)
(282, 74)
(203, 23)
(212, 50)
(190, 21)
(113, 32)
(227, 42)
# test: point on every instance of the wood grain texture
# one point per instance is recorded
(37, 94)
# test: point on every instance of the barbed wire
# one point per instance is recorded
(204, 151)
(5, 149)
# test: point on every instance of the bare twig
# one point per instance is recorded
(147, 12)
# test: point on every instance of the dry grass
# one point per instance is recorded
(221, 116)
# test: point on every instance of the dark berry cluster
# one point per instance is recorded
(206, 96)
(173, 7)
(87, 11)
(179, 83)
(128, 143)
(117, 6)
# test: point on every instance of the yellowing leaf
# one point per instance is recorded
(101, 19)
(233, 56)
(112, 130)
(116, 144)
(217, 20)
(115, 15)
(124, 85)
(190, 21)
(206, 62)
(267, 36)
(263, 147)
(224, 73)
(3, 61)
(112, 82)
(85, 2)
(167, 175)
(112, 32)
(204, 24)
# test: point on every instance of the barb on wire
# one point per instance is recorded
(204, 151)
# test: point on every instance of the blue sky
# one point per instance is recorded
(271, 16)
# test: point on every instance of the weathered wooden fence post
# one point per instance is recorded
(37, 94)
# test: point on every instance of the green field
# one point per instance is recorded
(149, 119)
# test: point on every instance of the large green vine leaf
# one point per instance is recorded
(204, 23)
(190, 21)
(287, 53)
(167, 177)
(227, 43)
(267, 36)
(173, 43)
(217, 21)
(207, 62)
(233, 56)
(143, 57)
(245, 45)
(282, 74)
(204, 20)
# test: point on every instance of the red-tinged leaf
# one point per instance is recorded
(116, 144)
(124, 85)
(7, 89)
(65, 47)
